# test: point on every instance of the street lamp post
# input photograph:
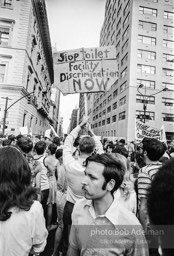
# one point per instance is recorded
(145, 99)
(7, 108)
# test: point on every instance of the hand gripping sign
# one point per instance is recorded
(85, 70)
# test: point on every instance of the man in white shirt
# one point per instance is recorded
(74, 168)
(100, 226)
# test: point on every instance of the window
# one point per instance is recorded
(168, 15)
(104, 111)
(122, 101)
(147, 83)
(125, 45)
(108, 120)
(170, 86)
(123, 73)
(147, 25)
(125, 33)
(2, 72)
(124, 59)
(118, 24)
(109, 109)
(168, 72)
(4, 35)
(103, 122)
(114, 119)
(146, 69)
(168, 57)
(168, 102)
(148, 11)
(114, 106)
(168, 117)
(109, 97)
(147, 40)
(126, 20)
(99, 124)
(145, 99)
(123, 86)
(168, 43)
(104, 102)
(168, 30)
(146, 54)
(149, 115)
(24, 116)
(115, 93)
(118, 46)
(126, 8)
(118, 34)
(7, 3)
(122, 115)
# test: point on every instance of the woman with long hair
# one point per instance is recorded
(126, 194)
(22, 224)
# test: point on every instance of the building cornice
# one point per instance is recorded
(41, 15)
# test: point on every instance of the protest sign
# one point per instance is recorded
(144, 130)
(85, 70)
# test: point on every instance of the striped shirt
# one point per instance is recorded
(145, 178)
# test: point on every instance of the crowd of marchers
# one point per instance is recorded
(99, 197)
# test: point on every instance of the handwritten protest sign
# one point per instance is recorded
(144, 130)
(85, 70)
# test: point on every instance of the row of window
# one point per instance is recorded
(152, 70)
(145, 25)
(108, 120)
(153, 12)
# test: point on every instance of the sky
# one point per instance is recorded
(74, 24)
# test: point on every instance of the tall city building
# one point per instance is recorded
(143, 34)
(26, 66)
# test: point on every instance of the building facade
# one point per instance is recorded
(143, 34)
(26, 65)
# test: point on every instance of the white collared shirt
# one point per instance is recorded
(117, 232)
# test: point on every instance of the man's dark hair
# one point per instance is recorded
(154, 148)
(25, 144)
(161, 201)
(19, 136)
(11, 137)
(86, 145)
(6, 142)
(121, 150)
(52, 147)
(56, 141)
(122, 141)
(59, 153)
(40, 147)
(112, 169)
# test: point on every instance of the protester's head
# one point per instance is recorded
(52, 148)
(12, 138)
(110, 148)
(40, 147)
(121, 150)
(86, 145)
(15, 177)
(6, 142)
(103, 174)
(25, 144)
(19, 136)
(160, 203)
(153, 148)
(59, 155)
(56, 141)
(122, 142)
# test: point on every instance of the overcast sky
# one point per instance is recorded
(74, 24)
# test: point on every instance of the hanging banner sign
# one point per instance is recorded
(85, 70)
(144, 130)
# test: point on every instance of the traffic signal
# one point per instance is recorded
(29, 99)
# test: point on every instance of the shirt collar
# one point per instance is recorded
(111, 214)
